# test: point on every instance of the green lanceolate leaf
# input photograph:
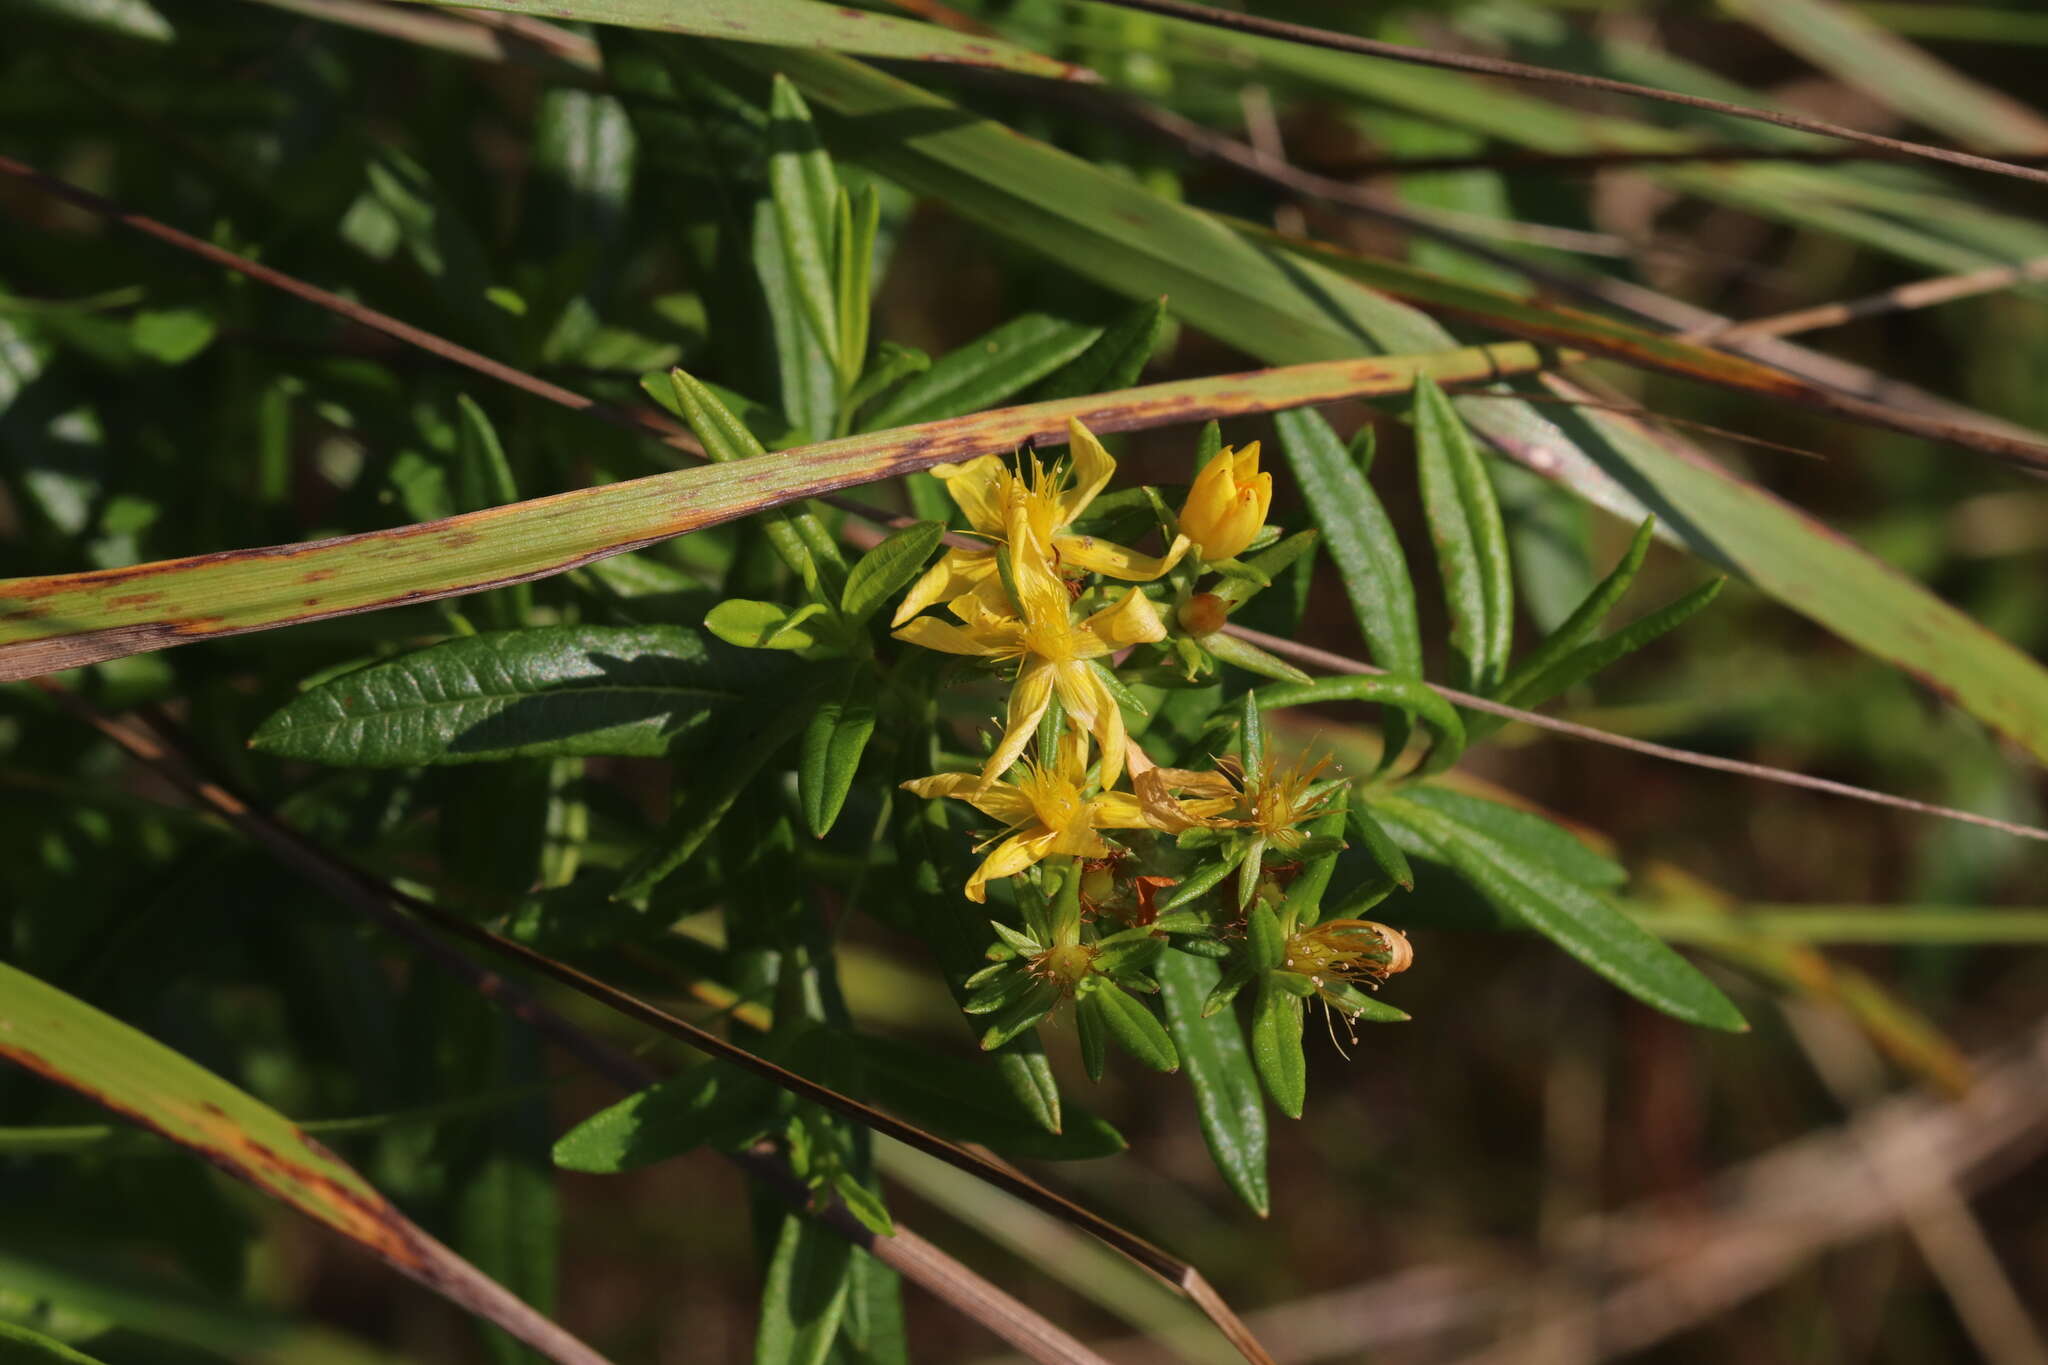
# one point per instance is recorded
(1249, 657)
(1583, 662)
(748, 624)
(1134, 1028)
(857, 218)
(1092, 1035)
(1219, 1068)
(888, 569)
(717, 784)
(1276, 1045)
(67, 1041)
(972, 1100)
(1114, 360)
(715, 1104)
(1265, 942)
(551, 691)
(1415, 699)
(805, 1296)
(1471, 542)
(985, 371)
(1535, 838)
(829, 757)
(800, 24)
(872, 1328)
(1386, 854)
(1575, 630)
(1574, 918)
(1359, 537)
(806, 373)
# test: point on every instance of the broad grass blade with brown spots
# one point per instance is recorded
(67, 620)
(68, 1041)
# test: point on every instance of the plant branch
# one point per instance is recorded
(380, 902)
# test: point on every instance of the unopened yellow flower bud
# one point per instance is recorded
(1228, 503)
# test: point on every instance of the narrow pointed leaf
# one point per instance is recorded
(983, 372)
(20, 1346)
(1406, 695)
(1386, 854)
(1135, 1028)
(1114, 360)
(829, 757)
(1536, 839)
(1586, 660)
(1276, 1047)
(1219, 1069)
(888, 569)
(1576, 919)
(69, 1042)
(1471, 543)
(805, 1295)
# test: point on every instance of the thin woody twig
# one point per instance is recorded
(1337, 663)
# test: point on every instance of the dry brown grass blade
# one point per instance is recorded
(1495, 66)
(377, 900)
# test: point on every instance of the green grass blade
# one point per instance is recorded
(802, 24)
(69, 1042)
(986, 370)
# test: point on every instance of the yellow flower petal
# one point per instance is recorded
(998, 800)
(977, 489)
(1117, 810)
(1093, 467)
(1029, 697)
(1131, 620)
(928, 632)
(1114, 561)
(1010, 857)
(957, 573)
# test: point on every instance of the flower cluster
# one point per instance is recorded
(1108, 854)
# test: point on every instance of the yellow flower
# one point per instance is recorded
(1273, 806)
(1359, 951)
(1048, 812)
(1048, 502)
(1053, 652)
(1228, 503)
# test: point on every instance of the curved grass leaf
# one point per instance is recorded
(1471, 543)
(800, 23)
(69, 1042)
(1219, 1068)
(66, 620)
(551, 691)
(20, 1346)
(1569, 915)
